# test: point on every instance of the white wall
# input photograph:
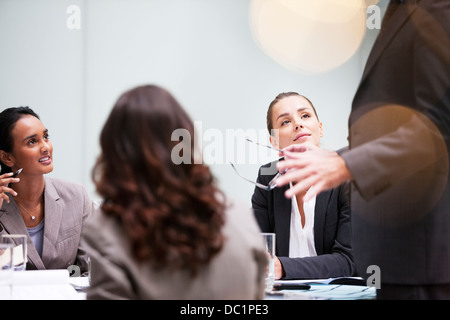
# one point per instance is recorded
(40, 66)
(201, 50)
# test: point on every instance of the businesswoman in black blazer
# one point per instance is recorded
(313, 239)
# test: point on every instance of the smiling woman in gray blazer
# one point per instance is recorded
(50, 211)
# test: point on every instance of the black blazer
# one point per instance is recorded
(399, 134)
(332, 230)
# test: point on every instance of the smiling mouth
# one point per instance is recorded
(44, 159)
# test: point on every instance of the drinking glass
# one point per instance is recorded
(269, 242)
(19, 253)
(6, 271)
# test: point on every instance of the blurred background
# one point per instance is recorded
(224, 60)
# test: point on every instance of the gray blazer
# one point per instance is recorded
(67, 206)
(237, 272)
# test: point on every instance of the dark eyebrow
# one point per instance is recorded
(286, 114)
(34, 135)
(282, 115)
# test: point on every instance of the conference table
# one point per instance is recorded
(45, 285)
(345, 288)
(58, 285)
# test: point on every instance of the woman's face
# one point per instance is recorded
(295, 122)
(32, 149)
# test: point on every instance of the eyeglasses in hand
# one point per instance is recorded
(272, 183)
(269, 187)
(264, 145)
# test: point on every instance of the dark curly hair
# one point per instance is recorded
(172, 213)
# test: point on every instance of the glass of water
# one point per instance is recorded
(19, 242)
(269, 242)
(6, 271)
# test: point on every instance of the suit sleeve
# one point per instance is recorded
(260, 205)
(82, 256)
(417, 140)
(108, 259)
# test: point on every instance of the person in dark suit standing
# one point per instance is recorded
(312, 238)
(397, 160)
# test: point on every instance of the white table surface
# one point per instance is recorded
(47, 285)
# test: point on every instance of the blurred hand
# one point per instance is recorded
(5, 180)
(308, 165)
(291, 152)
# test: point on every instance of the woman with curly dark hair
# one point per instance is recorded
(164, 230)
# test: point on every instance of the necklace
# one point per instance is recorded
(32, 216)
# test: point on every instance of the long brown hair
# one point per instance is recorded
(171, 213)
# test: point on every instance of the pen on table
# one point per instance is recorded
(17, 173)
(286, 286)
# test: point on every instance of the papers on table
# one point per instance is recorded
(44, 285)
(79, 283)
(340, 280)
(345, 288)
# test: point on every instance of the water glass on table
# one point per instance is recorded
(269, 243)
(19, 252)
(6, 271)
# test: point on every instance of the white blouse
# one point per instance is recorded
(301, 239)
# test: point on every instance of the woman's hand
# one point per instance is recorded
(5, 180)
(278, 272)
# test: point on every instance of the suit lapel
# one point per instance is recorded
(11, 218)
(13, 223)
(398, 18)
(320, 213)
(53, 217)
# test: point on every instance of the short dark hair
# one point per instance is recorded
(8, 119)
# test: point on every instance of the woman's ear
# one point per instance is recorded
(6, 158)
(274, 141)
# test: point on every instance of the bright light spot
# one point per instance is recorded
(308, 36)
